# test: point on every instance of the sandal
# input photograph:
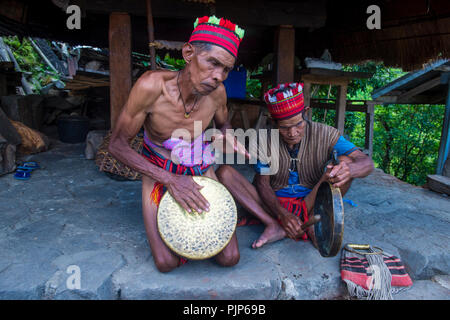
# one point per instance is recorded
(29, 166)
(22, 174)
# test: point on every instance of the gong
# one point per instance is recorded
(329, 230)
(196, 235)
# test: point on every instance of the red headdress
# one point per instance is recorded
(217, 31)
(285, 101)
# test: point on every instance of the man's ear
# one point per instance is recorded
(188, 52)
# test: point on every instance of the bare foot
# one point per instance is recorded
(312, 236)
(272, 233)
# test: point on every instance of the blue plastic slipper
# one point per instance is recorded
(29, 166)
(22, 174)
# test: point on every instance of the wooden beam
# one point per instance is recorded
(418, 99)
(332, 106)
(340, 108)
(336, 81)
(332, 73)
(443, 68)
(419, 89)
(405, 79)
(438, 183)
(445, 136)
(119, 62)
(285, 53)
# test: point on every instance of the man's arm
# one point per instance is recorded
(360, 166)
(291, 224)
(142, 95)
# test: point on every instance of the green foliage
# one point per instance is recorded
(30, 61)
(406, 137)
(253, 86)
(407, 140)
(170, 63)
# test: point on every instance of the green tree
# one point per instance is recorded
(406, 137)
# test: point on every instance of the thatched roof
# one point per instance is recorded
(406, 46)
(413, 32)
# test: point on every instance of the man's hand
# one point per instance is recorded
(338, 174)
(291, 224)
(231, 143)
(187, 193)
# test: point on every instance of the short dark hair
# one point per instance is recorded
(202, 46)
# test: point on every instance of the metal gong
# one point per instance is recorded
(329, 230)
(196, 235)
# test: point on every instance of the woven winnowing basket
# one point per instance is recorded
(107, 163)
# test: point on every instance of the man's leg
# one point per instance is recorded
(246, 194)
(165, 260)
(229, 256)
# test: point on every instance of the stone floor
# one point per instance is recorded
(69, 213)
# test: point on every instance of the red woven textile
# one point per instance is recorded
(222, 34)
(285, 100)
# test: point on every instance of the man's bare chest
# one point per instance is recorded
(166, 119)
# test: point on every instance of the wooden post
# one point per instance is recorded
(285, 53)
(307, 99)
(119, 62)
(340, 107)
(445, 137)
(370, 114)
(151, 34)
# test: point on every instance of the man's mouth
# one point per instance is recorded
(209, 87)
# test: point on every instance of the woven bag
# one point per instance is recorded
(113, 167)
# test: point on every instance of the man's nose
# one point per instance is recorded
(292, 131)
(218, 76)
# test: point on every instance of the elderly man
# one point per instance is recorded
(284, 201)
(164, 101)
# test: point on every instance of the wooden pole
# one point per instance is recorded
(307, 99)
(445, 137)
(119, 62)
(370, 114)
(285, 53)
(151, 34)
(341, 102)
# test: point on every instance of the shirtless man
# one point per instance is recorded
(163, 101)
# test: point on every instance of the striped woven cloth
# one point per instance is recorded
(372, 276)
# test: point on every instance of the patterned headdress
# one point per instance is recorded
(285, 101)
(217, 31)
